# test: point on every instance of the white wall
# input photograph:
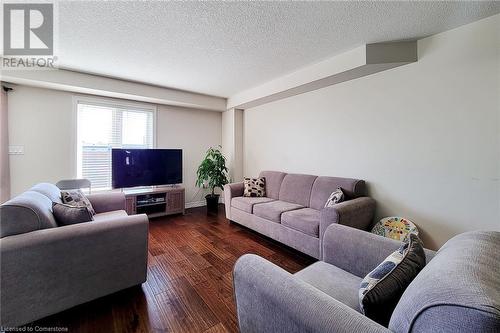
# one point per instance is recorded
(228, 138)
(193, 131)
(4, 157)
(43, 121)
(425, 136)
(232, 142)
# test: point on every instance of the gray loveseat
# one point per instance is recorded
(46, 269)
(293, 210)
(457, 291)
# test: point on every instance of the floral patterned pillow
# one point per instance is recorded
(255, 187)
(381, 289)
(336, 197)
(76, 198)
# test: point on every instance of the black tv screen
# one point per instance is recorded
(146, 167)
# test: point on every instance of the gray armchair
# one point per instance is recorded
(47, 268)
(458, 290)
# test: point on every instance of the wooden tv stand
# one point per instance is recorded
(155, 202)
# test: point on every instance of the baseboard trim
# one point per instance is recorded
(200, 203)
(193, 204)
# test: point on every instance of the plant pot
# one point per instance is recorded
(212, 202)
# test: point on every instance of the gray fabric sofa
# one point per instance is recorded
(46, 269)
(293, 210)
(457, 291)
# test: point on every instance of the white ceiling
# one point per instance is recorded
(223, 48)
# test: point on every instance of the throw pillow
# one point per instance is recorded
(76, 198)
(66, 214)
(336, 197)
(382, 288)
(255, 187)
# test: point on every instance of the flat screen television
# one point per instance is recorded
(146, 167)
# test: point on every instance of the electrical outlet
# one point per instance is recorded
(16, 150)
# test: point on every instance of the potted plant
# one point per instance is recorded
(212, 173)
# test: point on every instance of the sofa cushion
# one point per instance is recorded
(67, 215)
(458, 290)
(336, 197)
(296, 188)
(273, 182)
(324, 186)
(272, 210)
(382, 288)
(49, 190)
(116, 214)
(78, 199)
(333, 281)
(27, 212)
(305, 220)
(246, 203)
(254, 187)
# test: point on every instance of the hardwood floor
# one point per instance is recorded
(189, 286)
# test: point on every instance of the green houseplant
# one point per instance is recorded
(212, 173)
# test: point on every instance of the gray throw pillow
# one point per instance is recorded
(66, 214)
(255, 187)
(382, 288)
(336, 197)
(76, 198)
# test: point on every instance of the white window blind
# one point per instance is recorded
(101, 127)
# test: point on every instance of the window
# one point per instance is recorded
(101, 127)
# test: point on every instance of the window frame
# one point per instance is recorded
(105, 102)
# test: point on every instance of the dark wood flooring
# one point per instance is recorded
(189, 286)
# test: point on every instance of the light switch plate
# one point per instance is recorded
(16, 150)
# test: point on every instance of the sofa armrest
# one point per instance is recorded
(269, 299)
(358, 251)
(107, 201)
(357, 213)
(57, 268)
(230, 191)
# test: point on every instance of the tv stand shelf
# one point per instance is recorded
(155, 202)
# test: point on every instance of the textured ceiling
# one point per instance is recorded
(223, 48)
